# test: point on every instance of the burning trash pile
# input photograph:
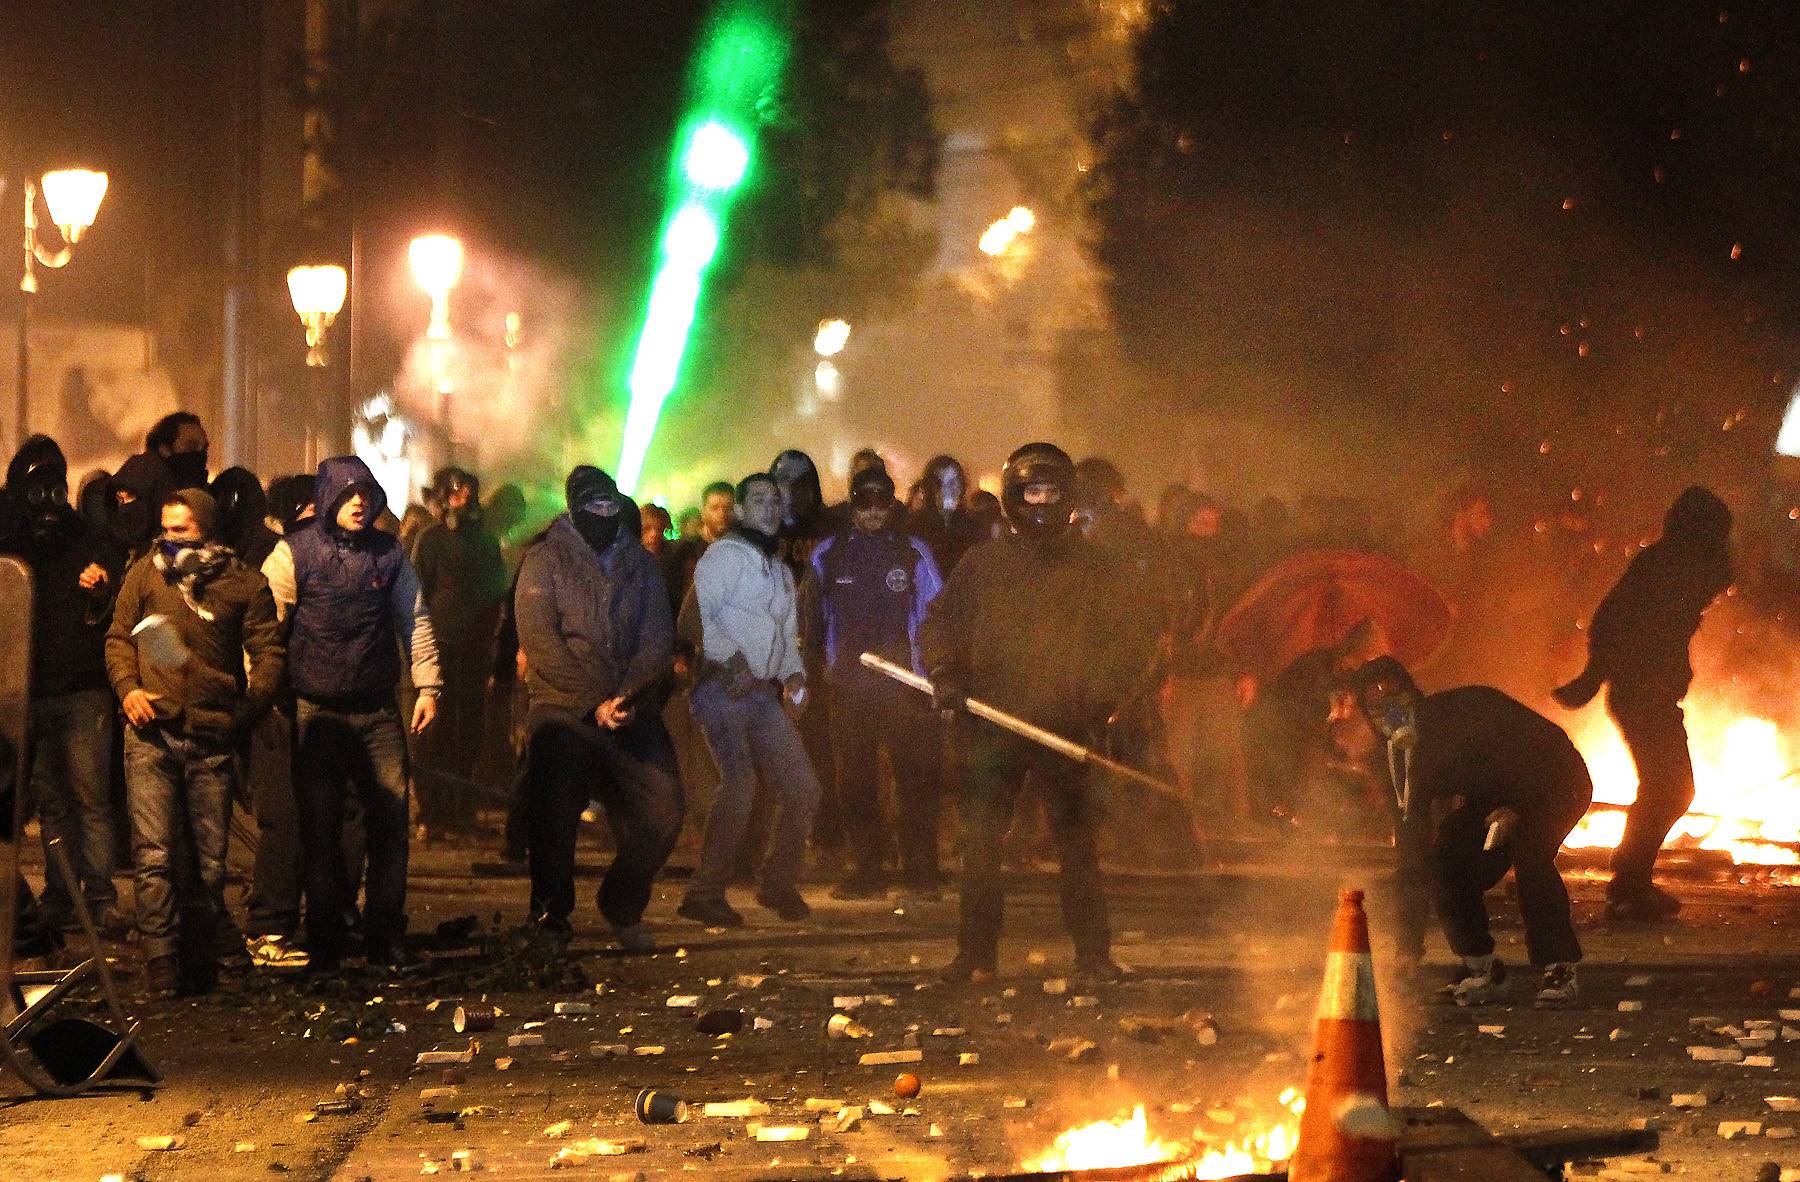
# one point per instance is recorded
(1113, 1144)
(1746, 803)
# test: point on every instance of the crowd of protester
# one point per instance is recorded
(356, 679)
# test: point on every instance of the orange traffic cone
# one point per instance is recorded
(1347, 1133)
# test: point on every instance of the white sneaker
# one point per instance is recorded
(1560, 986)
(1479, 981)
(276, 953)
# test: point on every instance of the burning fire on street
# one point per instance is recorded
(1128, 1142)
(1747, 798)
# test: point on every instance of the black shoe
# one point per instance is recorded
(1640, 901)
(785, 903)
(162, 974)
(712, 913)
(555, 931)
(967, 971)
(1101, 970)
(386, 957)
(857, 889)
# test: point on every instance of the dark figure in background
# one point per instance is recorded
(464, 578)
(141, 484)
(942, 521)
(873, 584)
(805, 522)
(75, 571)
(986, 516)
(595, 627)
(1638, 649)
(179, 440)
(1481, 784)
(1034, 624)
(243, 514)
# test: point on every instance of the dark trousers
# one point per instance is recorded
(1464, 873)
(864, 720)
(994, 772)
(570, 760)
(453, 744)
(274, 899)
(71, 761)
(338, 751)
(1656, 732)
(179, 789)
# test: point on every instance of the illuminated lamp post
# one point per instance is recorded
(437, 267)
(317, 291)
(73, 196)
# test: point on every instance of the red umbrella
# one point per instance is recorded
(1313, 599)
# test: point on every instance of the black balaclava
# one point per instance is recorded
(188, 468)
(594, 506)
(447, 481)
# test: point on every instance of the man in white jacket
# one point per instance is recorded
(751, 678)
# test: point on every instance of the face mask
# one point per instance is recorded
(188, 468)
(597, 529)
(132, 522)
(176, 554)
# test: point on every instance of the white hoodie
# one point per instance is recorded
(747, 605)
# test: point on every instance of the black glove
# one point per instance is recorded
(949, 690)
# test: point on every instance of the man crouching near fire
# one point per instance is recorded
(1480, 784)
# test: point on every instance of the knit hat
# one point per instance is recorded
(586, 484)
(203, 507)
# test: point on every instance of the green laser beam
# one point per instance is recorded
(736, 70)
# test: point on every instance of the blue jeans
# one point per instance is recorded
(749, 737)
(337, 751)
(179, 791)
(71, 773)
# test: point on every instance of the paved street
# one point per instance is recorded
(1245, 945)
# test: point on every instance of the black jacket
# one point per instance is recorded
(463, 575)
(68, 624)
(1041, 632)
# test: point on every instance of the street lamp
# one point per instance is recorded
(318, 292)
(73, 196)
(437, 263)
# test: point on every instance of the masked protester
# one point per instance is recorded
(873, 584)
(594, 626)
(140, 485)
(75, 572)
(464, 578)
(352, 604)
(179, 440)
(243, 515)
(1480, 785)
(1638, 649)
(943, 521)
(1032, 623)
(750, 669)
(188, 615)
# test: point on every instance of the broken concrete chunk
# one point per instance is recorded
(1731, 1130)
(968, 1059)
(1689, 1100)
(560, 1129)
(529, 1039)
(683, 1001)
(608, 1050)
(572, 1007)
(446, 1058)
(1631, 1007)
(161, 1144)
(1638, 981)
(735, 1108)
(883, 1058)
(782, 1133)
(1056, 986)
(1759, 1060)
(1715, 1054)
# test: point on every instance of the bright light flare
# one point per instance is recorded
(74, 196)
(437, 263)
(1787, 440)
(831, 338)
(1113, 1144)
(717, 157)
(692, 239)
(829, 382)
(1002, 234)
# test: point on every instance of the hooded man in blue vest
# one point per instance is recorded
(352, 602)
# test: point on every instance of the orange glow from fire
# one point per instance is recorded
(1746, 800)
(1127, 1142)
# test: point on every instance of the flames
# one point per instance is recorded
(1112, 1144)
(1746, 802)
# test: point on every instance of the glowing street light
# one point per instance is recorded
(73, 196)
(317, 291)
(437, 265)
(831, 338)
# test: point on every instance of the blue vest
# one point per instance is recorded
(867, 583)
(342, 642)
